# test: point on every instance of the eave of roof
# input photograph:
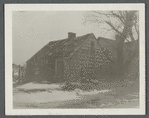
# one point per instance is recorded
(54, 47)
(110, 42)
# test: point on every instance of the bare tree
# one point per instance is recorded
(123, 23)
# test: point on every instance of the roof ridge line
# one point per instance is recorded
(82, 44)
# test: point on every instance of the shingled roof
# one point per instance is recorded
(64, 46)
(109, 48)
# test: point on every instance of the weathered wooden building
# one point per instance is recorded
(18, 72)
(74, 59)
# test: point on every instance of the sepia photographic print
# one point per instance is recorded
(75, 59)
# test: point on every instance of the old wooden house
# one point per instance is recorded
(73, 59)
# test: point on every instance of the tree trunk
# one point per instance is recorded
(120, 57)
(121, 38)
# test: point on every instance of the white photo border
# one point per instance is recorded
(71, 7)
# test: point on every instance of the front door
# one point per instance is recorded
(60, 70)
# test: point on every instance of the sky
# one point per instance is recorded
(31, 30)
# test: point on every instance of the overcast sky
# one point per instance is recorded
(32, 30)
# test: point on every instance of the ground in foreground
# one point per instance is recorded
(42, 96)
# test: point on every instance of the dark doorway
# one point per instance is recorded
(60, 70)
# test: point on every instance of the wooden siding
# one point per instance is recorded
(88, 63)
(40, 69)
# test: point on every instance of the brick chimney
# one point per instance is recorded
(71, 35)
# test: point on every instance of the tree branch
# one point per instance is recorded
(110, 24)
(119, 17)
(122, 15)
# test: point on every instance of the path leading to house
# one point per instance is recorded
(34, 95)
